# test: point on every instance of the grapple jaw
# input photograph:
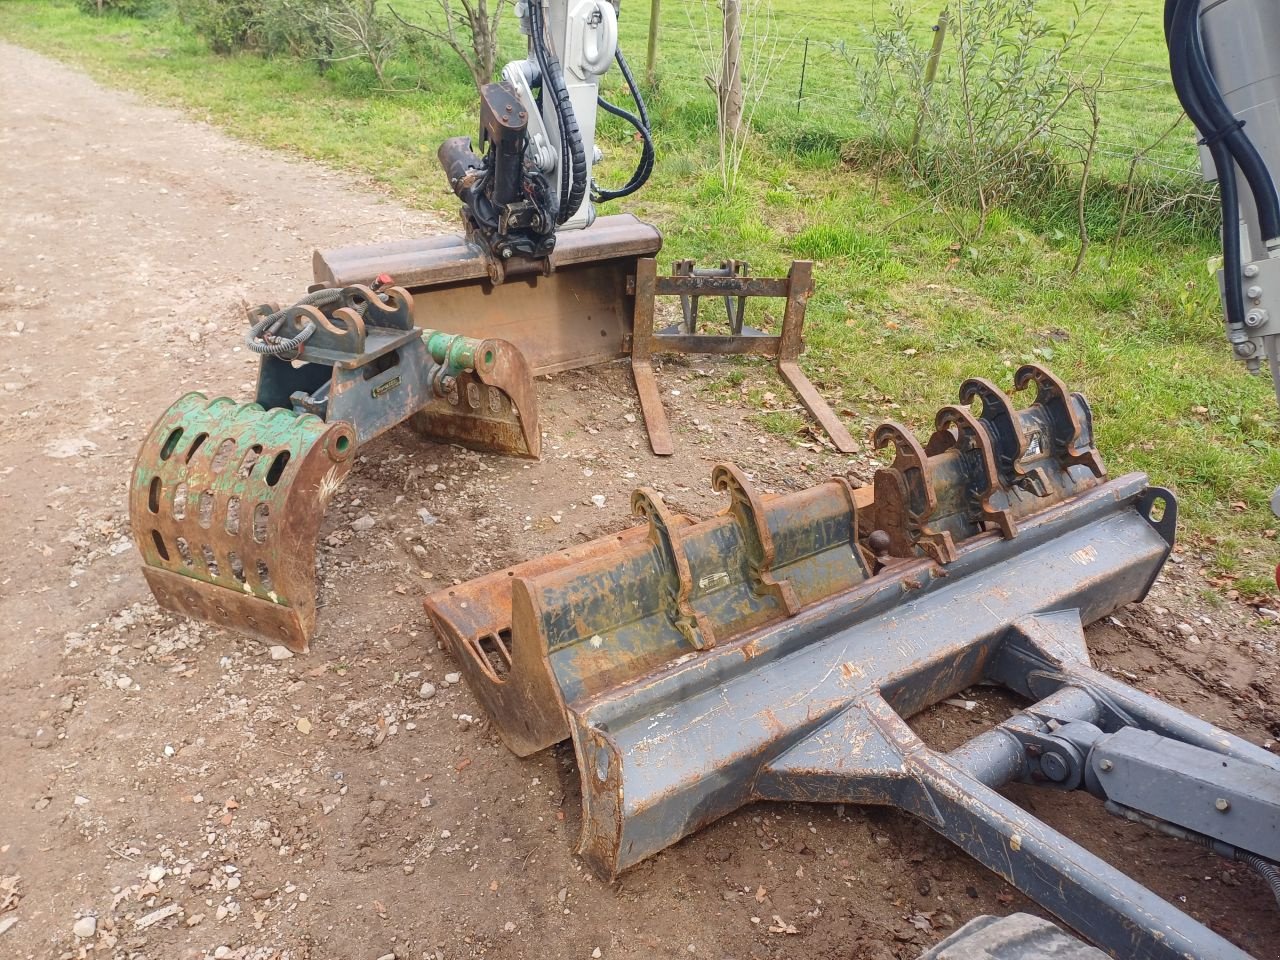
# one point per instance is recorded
(366, 363)
(227, 499)
(226, 502)
(484, 398)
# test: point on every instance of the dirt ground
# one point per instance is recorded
(156, 775)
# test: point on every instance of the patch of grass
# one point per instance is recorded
(781, 423)
(833, 241)
(903, 308)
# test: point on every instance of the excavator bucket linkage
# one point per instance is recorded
(227, 499)
(773, 651)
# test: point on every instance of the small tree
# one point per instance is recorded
(346, 30)
(729, 81)
(470, 29)
(737, 73)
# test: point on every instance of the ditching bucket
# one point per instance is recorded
(537, 638)
(572, 310)
(773, 652)
(225, 504)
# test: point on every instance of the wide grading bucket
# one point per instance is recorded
(775, 651)
(571, 310)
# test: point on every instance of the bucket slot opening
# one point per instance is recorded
(492, 652)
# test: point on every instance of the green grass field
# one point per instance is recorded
(908, 303)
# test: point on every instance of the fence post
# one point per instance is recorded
(804, 66)
(652, 59)
(930, 71)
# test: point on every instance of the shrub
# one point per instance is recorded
(333, 31)
(324, 32)
(126, 8)
(226, 25)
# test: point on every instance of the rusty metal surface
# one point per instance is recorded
(813, 712)
(773, 651)
(983, 471)
(226, 499)
(914, 635)
(630, 605)
(368, 364)
(514, 681)
(225, 503)
(489, 403)
(730, 282)
(365, 364)
(577, 314)
(591, 618)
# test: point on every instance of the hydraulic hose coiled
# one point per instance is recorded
(261, 340)
(1227, 143)
(641, 123)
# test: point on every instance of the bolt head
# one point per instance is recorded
(1106, 765)
(1222, 804)
(1251, 270)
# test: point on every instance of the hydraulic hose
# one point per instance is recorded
(573, 176)
(1261, 183)
(645, 167)
(1233, 259)
(1267, 870)
(1264, 868)
(1190, 69)
(260, 341)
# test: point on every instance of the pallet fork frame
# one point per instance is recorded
(731, 282)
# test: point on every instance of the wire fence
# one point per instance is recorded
(813, 63)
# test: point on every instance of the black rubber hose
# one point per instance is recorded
(570, 135)
(1255, 169)
(256, 340)
(1232, 252)
(645, 167)
(1228, 188)
(540, 55)
(1267, 870)
(1187, 58)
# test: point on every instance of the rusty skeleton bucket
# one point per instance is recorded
(226, 499)
(774, 651)
(225, 503)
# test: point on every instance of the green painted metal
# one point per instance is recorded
(230, 496)
(457, 353)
